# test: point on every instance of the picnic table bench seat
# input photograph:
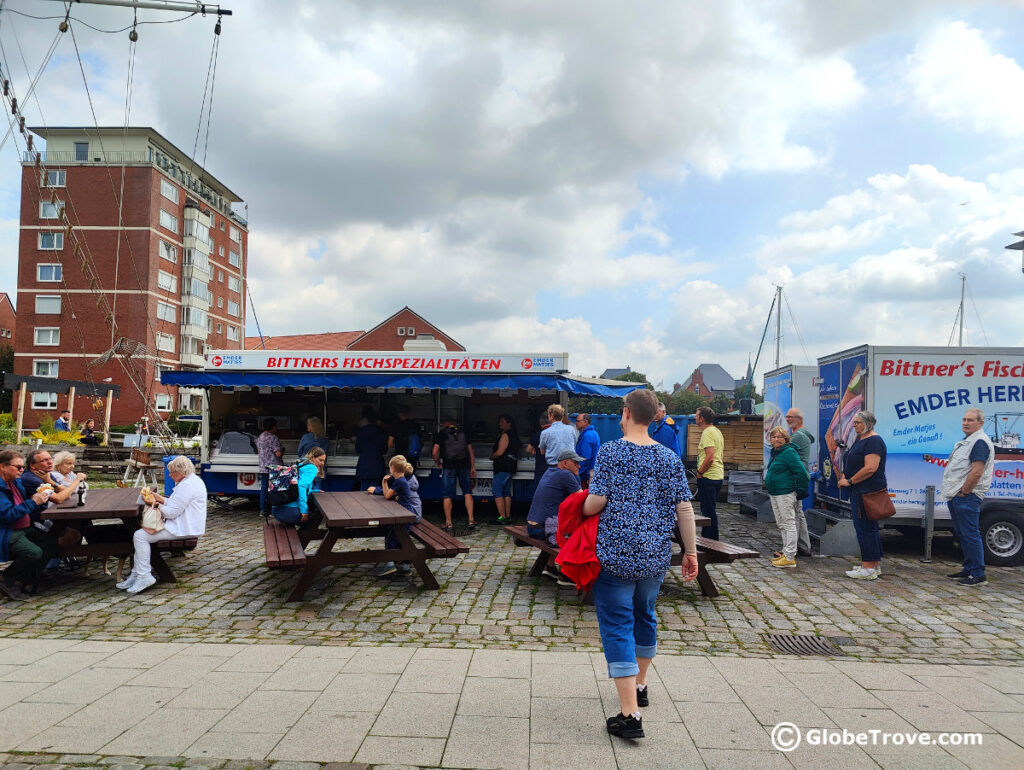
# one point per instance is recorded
(521, 539)
(127, 548)
(283, 544)
(437, 541)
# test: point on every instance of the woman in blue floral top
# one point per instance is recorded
(639, 489)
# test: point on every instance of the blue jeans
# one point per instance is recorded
(868, 536)
(966, 514)
(287, 514)
(707, 491)
(264, 481)
(625, 617)
(449, 477)
(502, 484)
(537, 532)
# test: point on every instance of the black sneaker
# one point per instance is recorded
(552, 573)
(977, 580)
(642, 699)
(625, 727)
(961, 574)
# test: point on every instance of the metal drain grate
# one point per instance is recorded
(796, 644)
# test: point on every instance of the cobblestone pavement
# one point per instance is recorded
(226, 593)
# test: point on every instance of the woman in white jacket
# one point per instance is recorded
(184, 515)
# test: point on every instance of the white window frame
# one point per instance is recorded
(48, 297)
(165, 311)
(198, 288)
(234, 308)
(168, 190)
(164, 402)
(235, 259)
(220, 302)
(165, 342)
(220, 328)
(235, 234)
(48, 210)
(81, 149)
(58, 272)
(52, 367)
(166, 281)
(233, 334)
(167, 250)
(234, 284)
(410, 331)
(57, 240)
(188, 313)
(401, 331)
(57, 177)
(220, 250)
(168, 221)
(49, 403)
(52, 333)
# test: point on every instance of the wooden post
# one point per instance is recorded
(106, 418)
(21, 411)
(71, 405)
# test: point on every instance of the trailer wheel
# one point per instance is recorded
(1002, 533)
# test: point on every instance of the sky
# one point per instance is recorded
(624, 182)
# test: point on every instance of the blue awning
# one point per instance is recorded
(577, 386)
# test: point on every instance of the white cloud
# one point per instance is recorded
(956, 76)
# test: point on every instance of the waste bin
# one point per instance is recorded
(168, 481)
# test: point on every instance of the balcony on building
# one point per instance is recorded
(193, 350)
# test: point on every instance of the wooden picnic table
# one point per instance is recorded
(107, 504)
(352, 515)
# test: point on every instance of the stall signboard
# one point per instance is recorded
(785, 388)
(386, 361)
(840, 397)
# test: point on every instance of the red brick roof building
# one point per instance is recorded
(8, 319)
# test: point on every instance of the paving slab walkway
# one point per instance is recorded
(127, 706)
(487, 600)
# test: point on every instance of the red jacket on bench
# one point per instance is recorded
(577, 536)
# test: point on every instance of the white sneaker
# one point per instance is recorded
(860, 573)
(127, 582)
(142, 584)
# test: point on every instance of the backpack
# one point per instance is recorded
(455, 445)
(283, 483)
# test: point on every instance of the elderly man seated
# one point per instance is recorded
(184, 515)
(554, 486)
(18, 538)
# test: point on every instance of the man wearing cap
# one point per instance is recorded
(558, 483)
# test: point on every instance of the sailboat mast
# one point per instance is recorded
(778, 324)
(963, 284)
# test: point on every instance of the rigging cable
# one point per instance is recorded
(796, 328)
(132, 44)
(976, 313)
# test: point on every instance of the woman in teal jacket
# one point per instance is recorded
(785, 476)
(297, 511)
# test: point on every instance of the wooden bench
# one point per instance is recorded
(522, 540)
(437, 541)
(122, 549)
(708, 552)
(283, 545)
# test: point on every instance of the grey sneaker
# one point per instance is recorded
(127, 582)
(385, 569)
(403, 568)
(141, 584)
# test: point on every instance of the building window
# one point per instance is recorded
(47, 335)
(196, 258)
(168, 190)
(233, 308)
(81, 151)
(220, 251)
(164, 342)
(166, 281)
(234, 259)
(49, 272)
(197, 288)
(44, 367)
(168, 251)
(401, 331)
(220, 328)
(51, 241)
(233, 333)
(410, 332)
(220, 276)
(234, 284)
(166, 312)
(234, 234)
(193, 316)
(44, 400)
(221, 224)
(198, 231)
(47, 304)
(163, 402)
(168, 221)
(56, 178)
(220, 302)
(48, 210)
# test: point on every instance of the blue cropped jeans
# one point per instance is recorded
(626, 619)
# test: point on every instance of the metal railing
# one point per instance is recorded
(65, 157)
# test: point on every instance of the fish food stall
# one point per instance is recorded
(242, 388)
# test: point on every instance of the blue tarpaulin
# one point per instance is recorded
(267, 379)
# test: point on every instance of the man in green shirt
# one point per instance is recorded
(800, 437)
(710, 468)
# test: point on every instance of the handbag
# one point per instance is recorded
(877, 505)
(152, 519)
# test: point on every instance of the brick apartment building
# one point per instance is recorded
(173, 272)
(8, 320)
